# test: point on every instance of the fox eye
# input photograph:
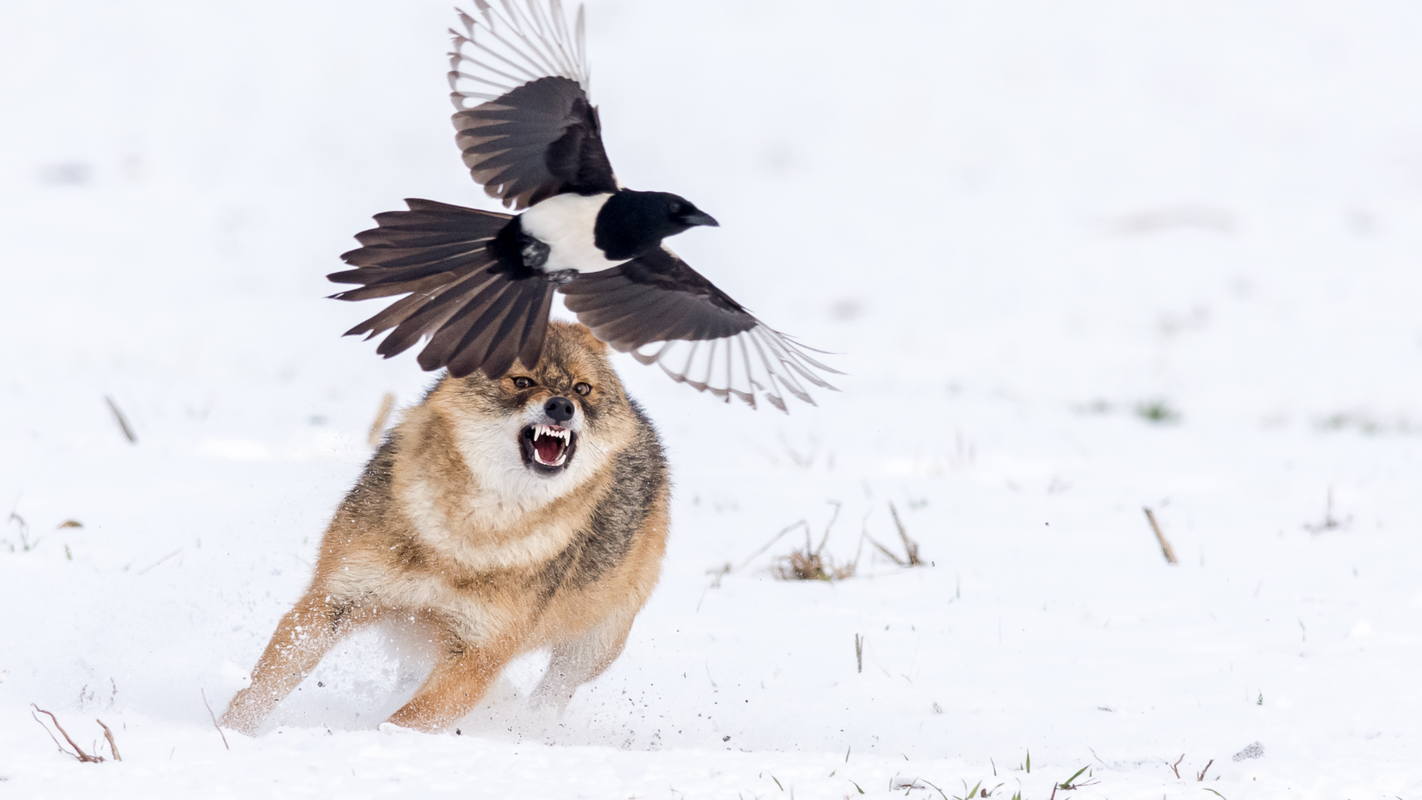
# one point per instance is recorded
(522, 382)
(582, 388)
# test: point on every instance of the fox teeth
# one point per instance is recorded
(544, 430)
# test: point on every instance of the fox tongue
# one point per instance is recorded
(548, 449)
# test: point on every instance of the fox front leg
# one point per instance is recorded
(302, 639)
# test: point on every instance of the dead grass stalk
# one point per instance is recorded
(387, 404)
(78, 752)
(1160, 537)
(812, 563)
(121, 420)
(213, 717)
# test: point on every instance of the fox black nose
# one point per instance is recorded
(560, 409)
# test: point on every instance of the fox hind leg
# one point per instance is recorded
(453, 688)
(580, 659)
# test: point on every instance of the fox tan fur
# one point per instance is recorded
(455, 526)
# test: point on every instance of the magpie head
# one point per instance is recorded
(681, 214)
(632, 223)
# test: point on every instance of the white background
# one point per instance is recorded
(1019, 222)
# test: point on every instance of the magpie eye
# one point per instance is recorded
(522, 382)
(582, 388)
(675, 208)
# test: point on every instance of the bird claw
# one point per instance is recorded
(561, 276)
(534, 253)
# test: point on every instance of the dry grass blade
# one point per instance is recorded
(837, 505)
(772, 541)
(1160, 537)
(108, 734)
(26, 544)
(160, 561)
(1330, 522)
(214, 720)
(79, 754)
(910, 546)
(121, 419)
(387, 404)
(910, 557)
(892, 556)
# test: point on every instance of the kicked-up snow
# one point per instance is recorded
(1079, 260)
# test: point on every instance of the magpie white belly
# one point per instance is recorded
(565, 223)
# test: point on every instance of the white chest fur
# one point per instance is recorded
(565, 223)
(485, 524)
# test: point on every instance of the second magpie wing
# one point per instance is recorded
(664, 312)
(519, 81)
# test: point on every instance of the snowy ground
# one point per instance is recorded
(1023, 224)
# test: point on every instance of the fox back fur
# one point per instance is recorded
(502, 516)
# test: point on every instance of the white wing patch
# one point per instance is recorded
(760, 359)
(501, 50)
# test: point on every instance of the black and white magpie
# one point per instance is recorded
(480, 284)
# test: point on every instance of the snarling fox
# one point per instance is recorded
(501, 516)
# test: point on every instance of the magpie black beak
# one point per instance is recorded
(699, 217)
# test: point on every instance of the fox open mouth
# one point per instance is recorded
(547, 448)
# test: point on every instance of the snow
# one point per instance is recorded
(1024, 225)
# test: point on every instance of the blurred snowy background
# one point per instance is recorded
(1079, 259)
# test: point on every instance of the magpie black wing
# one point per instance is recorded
(476, 312)
(519, 81)
(664, 312)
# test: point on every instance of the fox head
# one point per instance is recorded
(542, 431)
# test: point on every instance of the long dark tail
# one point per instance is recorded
(477, 312)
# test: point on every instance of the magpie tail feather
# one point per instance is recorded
(476, 313)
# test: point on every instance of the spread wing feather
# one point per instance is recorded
(518, 79)
(476, 313)
(665, 313)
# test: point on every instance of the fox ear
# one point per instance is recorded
(586, 338)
